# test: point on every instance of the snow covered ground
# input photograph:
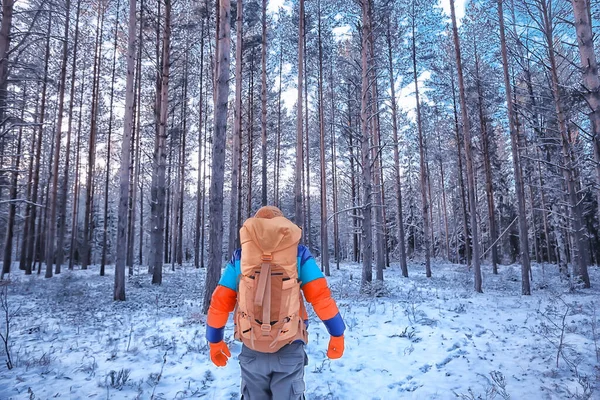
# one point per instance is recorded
(420, 339)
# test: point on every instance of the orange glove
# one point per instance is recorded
(219, 353)
(336, 347)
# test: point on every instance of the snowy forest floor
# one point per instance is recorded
(418, 339)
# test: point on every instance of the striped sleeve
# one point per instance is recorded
(223, 300)
(316, 291)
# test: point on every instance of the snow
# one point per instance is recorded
(420, 339)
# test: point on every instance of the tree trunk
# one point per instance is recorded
(109, 145)
(52, 200)
(422, 163)
(398, 183)
(307, 202)
(158, 191)
(461, 183)
(86, 257)
(468, 154)
(367, 234)
(237, 128)
(250, 167)
(29, 207)
(201, 144)
(323, 189)
(121, 259)
(578, 249)
(12, 208)
(213, 273)
(336, 230)
(263, 95)
(137, 106)
(591, 82)
(5, 37)
(62, 217)
(76, 188)
(489, 188)
(278, 143)
(298, 202)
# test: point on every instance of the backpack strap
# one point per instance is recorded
(263, 293)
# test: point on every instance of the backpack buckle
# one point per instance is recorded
(267, 257)
(265, 328)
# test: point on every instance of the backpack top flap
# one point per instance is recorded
(260, 236)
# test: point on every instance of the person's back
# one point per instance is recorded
(262, 283)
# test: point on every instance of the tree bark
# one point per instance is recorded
(422, 162)
(158, 191)
(109, 144)
(62, 218)
(263, 95)
(12, 208)
(201, 144)
(213, 273)
(323, 171)
(86, 246)
(367, 234)
(121, 259)
(578, 248)
(489, 188)
(237, 128)
(591, 82)
(52, 200)
(298, 202)
(468, 154)
(397, 181)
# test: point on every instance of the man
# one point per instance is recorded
(262, 282)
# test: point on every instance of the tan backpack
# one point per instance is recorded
(269, 308)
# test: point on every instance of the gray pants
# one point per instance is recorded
(273, 376)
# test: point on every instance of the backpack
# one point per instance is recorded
(270, 306)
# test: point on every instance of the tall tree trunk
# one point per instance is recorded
(307, 202)
(468, 154)
(86, 257)
(5, 37)
(336, 230)
(278, 142)
(137, 106)
(76, 186)
(12, 208)
(213, 273)
(121, 259)
(376, 149)
(250, 170)
(398, 183)
(109, 144)
(367, 234)
(158, 191)
(323, 189)
(62, 216)
(263, 95)
(50, 241)
(29, 207)
(179, 258)
(298, 202)
(461, 182)
(422, 163)
(237, 128)
(354, 191)
(591, 82)
(578, 249)
(201, 144)
(489, 188)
